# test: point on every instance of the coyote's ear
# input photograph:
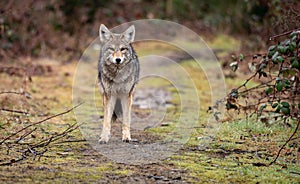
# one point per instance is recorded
(129, 34)
(104, 33)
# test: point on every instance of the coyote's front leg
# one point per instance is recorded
(108, 104)
(126, 102)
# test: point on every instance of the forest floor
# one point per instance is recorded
(238, 151)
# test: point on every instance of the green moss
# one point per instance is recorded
(205, 167)
(232, 155)
(123, 172)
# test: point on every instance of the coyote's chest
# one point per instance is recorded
(117, 80)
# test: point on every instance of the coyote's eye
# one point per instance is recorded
(123, 49)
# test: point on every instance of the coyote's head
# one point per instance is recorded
(116, 48)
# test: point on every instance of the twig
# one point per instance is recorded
(33, 149)
(69, 141)
(249, 79)
(25, 135)
(262, 85)
(39, 122)
(15, 111)
(295, 138)
(56, 137)
(293, 172)
(286, 142)
(283, 34)
(12, 92)
(12, 161)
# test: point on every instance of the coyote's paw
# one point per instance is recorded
(104, 139)
(126, 138)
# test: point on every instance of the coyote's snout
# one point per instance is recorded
(118, 73)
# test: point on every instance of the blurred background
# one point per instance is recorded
(63, 29)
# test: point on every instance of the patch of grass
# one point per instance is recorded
(234, 130)
(153, 47)
(162, 130)
(238, 153)
(123, 172)
(153, 82)
(207, 167)
(225, 43)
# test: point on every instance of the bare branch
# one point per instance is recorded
(34, 148)
(283, 34)
(39, 122)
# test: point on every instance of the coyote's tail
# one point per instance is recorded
(117, 110)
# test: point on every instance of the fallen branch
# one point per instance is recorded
(33, 149)
(39, 122)
(47, 141)
(286, 142)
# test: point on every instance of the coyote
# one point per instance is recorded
(118, 74)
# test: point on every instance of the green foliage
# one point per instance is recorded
(234, 15)
(278, 90)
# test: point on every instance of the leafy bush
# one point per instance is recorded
(276, 73)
